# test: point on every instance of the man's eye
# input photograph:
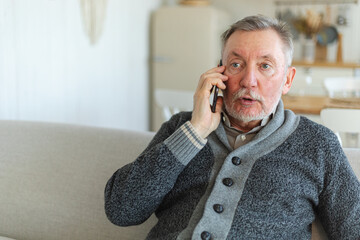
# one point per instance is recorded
(265, 66)
(235, 65)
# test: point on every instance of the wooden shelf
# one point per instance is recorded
(314, 104)
(326, 64)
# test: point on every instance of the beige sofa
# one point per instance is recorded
(52, 179)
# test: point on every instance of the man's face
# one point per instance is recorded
(256, 66)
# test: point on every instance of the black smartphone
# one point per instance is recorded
(216, 92)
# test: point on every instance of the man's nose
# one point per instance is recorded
(249, 79)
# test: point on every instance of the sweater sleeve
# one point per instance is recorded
(339, 202)
(136, 190)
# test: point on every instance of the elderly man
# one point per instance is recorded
(249, 170)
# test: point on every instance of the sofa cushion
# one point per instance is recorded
(52, 180)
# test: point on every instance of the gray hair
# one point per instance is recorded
(259, 22)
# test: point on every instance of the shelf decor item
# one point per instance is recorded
(309, 26)
(339, 54)
(195, 2)
(328, 34)
(308, 49)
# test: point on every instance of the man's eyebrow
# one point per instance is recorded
(236, 54)
(267, 56)
(270, 57)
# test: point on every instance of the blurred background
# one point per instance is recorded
(100, 62)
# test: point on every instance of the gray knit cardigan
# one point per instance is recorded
(270, 188)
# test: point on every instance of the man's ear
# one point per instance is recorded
(290, 74)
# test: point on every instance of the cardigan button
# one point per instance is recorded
(218, 208)
(228, 182)
(205, 235)
(236, 161)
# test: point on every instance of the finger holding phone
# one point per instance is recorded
(204, 120)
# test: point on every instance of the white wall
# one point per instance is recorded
(49, 71)
(242, 8)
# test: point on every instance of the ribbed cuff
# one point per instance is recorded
(185, 143)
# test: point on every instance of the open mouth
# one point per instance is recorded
(247, 97)
(247, 100)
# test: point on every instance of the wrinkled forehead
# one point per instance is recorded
(264, 44)
(266, 41)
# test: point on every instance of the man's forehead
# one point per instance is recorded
(261, 55)
(245, 44)
(258, 38)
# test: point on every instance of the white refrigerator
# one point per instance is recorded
(185, 42)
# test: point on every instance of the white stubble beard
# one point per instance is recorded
(230, 108)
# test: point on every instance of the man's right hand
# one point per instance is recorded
(203, 119)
